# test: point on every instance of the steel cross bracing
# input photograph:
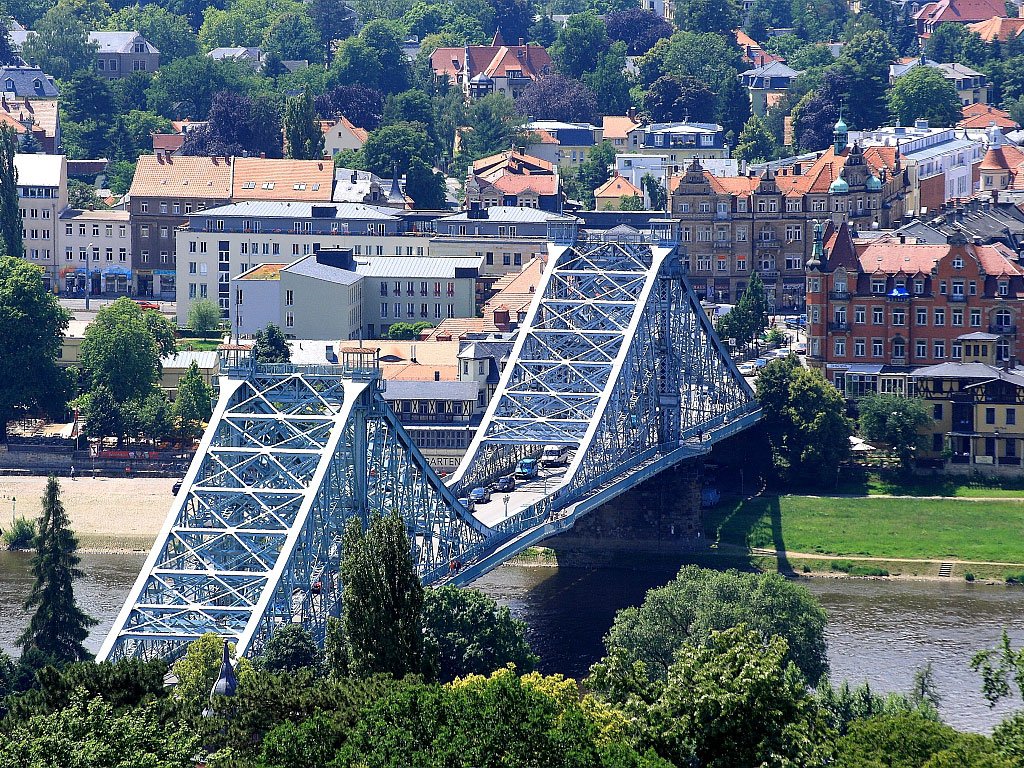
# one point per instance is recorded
(253, 538)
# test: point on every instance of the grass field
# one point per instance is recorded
(874, 484)
(911, 528)
(198, 345)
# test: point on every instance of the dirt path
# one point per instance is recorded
(1019, 499)
(107, 513)
(786, 553)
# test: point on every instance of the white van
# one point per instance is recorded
(555, 456)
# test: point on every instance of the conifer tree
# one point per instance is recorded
(302, 131)
(10, 214)
(58, 626)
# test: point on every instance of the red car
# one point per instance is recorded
(147, 304)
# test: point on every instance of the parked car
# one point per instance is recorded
(747, 369)
(480, 495)
(505, 484)
(176, 487)
(143, 304)
(801, 348)
(554, 456)
(527, 469)
(467, 503)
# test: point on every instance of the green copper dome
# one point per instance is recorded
(873, 184)
(838, 187)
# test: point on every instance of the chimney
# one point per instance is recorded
(412, 353)
(355, 176)
(437, 375)
(329, 354)
(903, 238)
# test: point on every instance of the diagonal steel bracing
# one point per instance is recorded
(616, 359)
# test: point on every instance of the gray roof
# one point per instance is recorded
(253, 54)
(119, 42)
(299, 210)
(27, 82)
(516, 215)
(308, 266)
(772, 69)
(979, 336)
(414, 266)
(972, 371)
(431, 390)
(205, 360)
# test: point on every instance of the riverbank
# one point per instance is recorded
(108, 514)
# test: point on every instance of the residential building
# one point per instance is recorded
(930, 15)
(940, 163)
(167, 189)
(563, 144)
(502, 239)
(979, 219)
(246, 55)
(975, 404)
(609, 195)
(616, 129)
(681, 142)
(170, 143)
(220, 242)
(733, 226)
(902, 304)
(27, 83)
(971, 85)
(118, 53)
(340, 134)
(372, 293)
(95, 250)
(767, 84)
(751, 51)
(38, 117)
(355, 186)
(513, 179)
(174, 367)
(479, 70)
(633, 167)
(982, 116)
(997, 28)
(42, 197)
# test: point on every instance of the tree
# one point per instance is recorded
(10, 212)
(83, 195)
(591, 173)
(700, 601)
(718, 16)
(756, 142)
(186, 87)
(631, 203)
(709, 58)
(493, 123)
(8, 55)
(59, 44)
(609, 81)
(901, 741)
(395, 146)
(270, 346)
(238, 125)
(334, 20)
(555, 97)
(815, 115)
(946, 43)
(925, 92)
(153, 416)
(303, 137)
(580, 43)
(363, 106)
(412, 106)
(404, 331)
(293, 37)
(120, 350)
(638, 29)
(426, 187)
(373, 59)
(895, 421)
(654, 191)
(865, 62)
(805, 422)
(197, 670)
(32, 325)
(169, 32)
(671, 99)
(203, 316)
(733, 108)
(193, 404)
(382, 602)
(290, 648)
(58, 626)
(467, 633)
(736, 700)
(101, 415)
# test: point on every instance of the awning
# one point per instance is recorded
(864, 368)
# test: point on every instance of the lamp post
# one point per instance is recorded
(506, 498)
(88, 277)
(14, 506)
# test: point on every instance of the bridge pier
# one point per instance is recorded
(660, 518)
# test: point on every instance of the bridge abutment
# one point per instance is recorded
(661, 517)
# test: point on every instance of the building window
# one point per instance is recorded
(289, 320)
(922, 316)
(876, 347)
(289, 298)
(937, 411)
(839, 346)
(940, 318)
(939, 349)
(1004, 288)
(990, 415)
(877, 316)
(383, 309)
(1011, 417)
(878, 285)
(899, 349)
(918, 287)
(921, 348)
(957, 317)
(899, 317)
(975, 318)
(859, 347)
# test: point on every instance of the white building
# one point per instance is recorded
(42, 196)
(94, 248)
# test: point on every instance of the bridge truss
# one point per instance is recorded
(616, 359)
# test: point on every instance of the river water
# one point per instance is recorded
(879, 631)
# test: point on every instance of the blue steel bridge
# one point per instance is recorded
(615, 360)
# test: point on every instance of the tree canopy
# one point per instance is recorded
(895, 421)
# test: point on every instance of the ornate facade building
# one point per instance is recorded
(733, 226)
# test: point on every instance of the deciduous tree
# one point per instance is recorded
(59, 44)
(579, 45)
(58, 627)
(394, 146)
(193, 404)
(924, 92)
(425, 186)
(895, 421)
(169, 32)
(290, 648)
(756, 142)
(203, 316)
(10, 212)
(120, 351)
(270, 346)
(638, 28)
(556, 97)
(718, 16)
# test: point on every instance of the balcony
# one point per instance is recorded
(839, 327)
(1006, 330)
(772, 244)
(839, 295)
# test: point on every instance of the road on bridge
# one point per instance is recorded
(527, 492)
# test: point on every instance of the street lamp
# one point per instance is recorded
(14, 506)
(88, 277)
(506, 498)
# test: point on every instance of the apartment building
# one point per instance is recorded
(680, 142)
(219, 243)
(42, 197)
(563, 144)
(895, 303)
(95, 252)
(167, 189)
(480, 70)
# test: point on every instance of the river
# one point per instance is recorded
(879, 631)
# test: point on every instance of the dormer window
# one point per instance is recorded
(37, 84)
(9, 84)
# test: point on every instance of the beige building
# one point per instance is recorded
(42, 197)
(95, 252)
(341, 134)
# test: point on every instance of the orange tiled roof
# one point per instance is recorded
(510, 161)
(892, 257)
(203, 177)
(737, 186)
(617, 126)
(617, 186)
(309, 180)
(997, 28)
(960, 11)
(513, 184)
(983, 115)
(1002, 158)
(493, 60)
(169, 142)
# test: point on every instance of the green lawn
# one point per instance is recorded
(198, 345)
(875, 483)
(913, 528)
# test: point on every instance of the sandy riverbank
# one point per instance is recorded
(108, 513)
